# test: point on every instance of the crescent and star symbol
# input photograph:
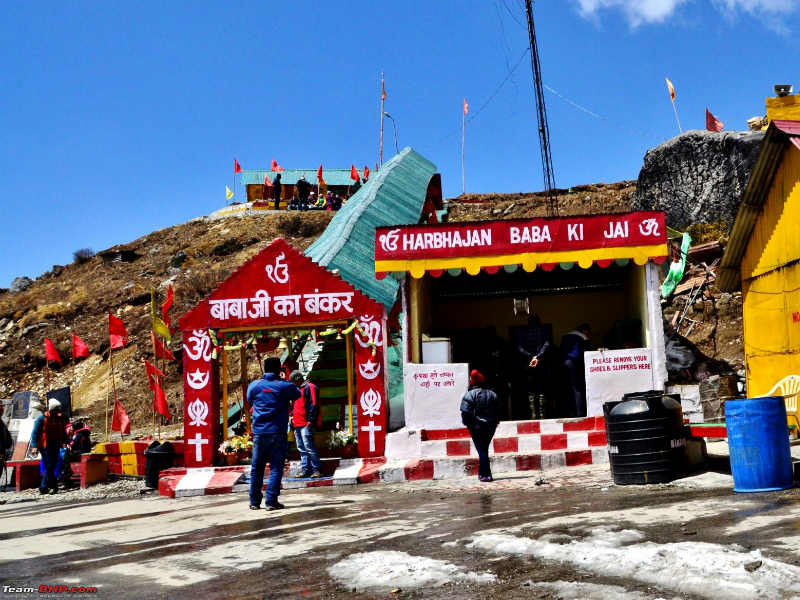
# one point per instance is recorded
(198, 379)
(369, 370)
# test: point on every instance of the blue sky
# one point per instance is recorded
(118, 119)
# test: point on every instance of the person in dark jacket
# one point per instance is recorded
(534, 343)
(573, 345)
(306, 418)
(479, 410)
(276, 190)
(47, 438)
(303, 188)
(269, 398)
(81, 442)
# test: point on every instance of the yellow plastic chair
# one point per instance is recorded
(789, 388)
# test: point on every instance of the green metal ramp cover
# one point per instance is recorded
(395, 195)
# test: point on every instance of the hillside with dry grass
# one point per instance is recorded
(193, 257)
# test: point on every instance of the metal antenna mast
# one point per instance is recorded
(541, 114)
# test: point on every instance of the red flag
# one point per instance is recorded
(320, 180)
(117, 332)
(712, 122)
(153, 373)
(267, 180)
(466, 106)
(160, 401)
(166, 306)
(353, 173)
(50, 352)
(119, 420)
(275, 166)
(366, 173)
(160, 349)
(237, 168)
(79, 347)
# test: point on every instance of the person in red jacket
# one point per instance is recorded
(306, 417)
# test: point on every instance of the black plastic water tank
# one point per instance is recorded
(646, 438)
(157, 458)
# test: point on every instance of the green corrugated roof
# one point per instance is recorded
(290, 176)
(394, 195)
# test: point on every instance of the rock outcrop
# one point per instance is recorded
(698, 176)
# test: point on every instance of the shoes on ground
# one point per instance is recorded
(253, 507)
(305, 474)
(52, 491)
(485, 479)
(274, 505)
(316, 475)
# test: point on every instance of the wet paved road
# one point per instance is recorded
(493, 541)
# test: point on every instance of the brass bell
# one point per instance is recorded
(283, 344)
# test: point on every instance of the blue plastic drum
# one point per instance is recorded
(759, 444)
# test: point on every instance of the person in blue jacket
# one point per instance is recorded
(47, 438)
(270, 398)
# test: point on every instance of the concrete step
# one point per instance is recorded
(517, 444)
(219, 480)
(513, 428)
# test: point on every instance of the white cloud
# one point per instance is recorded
(637, 12)
(757, 6)
(643, 12)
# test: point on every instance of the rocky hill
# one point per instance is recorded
(192, 257)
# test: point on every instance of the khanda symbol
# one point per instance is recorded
(198, 411)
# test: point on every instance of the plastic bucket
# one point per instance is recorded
(759, 444)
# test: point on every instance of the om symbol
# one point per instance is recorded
(648, 227)
(279, 272)
(201, 347)
(373, 332)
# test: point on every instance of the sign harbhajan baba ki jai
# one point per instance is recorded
(645, 228)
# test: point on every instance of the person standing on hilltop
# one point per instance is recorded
(276, 190)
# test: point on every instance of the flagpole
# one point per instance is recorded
(463, 136)
(113, 386)
(675, 110)
(383, 99)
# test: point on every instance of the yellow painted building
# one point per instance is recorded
(763, 256)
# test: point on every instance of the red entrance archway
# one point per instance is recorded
(279, 286)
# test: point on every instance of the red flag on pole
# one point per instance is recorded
(119, 419)
(712, 122)
(117, 332)
(275, 166)
(160, 401)
(160, 349)
(79, 347)
(166, 306)
(237, 168)
(366, 173)
(320, 180)
(353, 173)
(50, 352)
(153, 373)
(267, 180)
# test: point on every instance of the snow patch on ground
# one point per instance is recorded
(700, 568)
(577, 590)
(387, 569)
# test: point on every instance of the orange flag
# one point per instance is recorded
(319, 176)
(671, 89)
(119, 419)
(712, 122)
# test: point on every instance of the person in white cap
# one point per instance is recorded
(47, 438)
